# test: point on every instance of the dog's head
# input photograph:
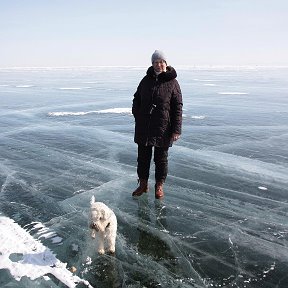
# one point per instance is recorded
(99, 216)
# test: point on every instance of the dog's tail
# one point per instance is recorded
(92, 200)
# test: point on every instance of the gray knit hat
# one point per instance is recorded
(158, 55)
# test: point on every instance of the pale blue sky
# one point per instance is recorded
(97, 32)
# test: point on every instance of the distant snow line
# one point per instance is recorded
(81, 113)
(232, 93)
(37, 259)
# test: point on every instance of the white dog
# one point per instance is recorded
(103, 222)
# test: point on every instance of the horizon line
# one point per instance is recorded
(144, 66)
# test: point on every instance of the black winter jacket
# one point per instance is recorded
(157, 108)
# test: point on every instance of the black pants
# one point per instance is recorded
(160, 160)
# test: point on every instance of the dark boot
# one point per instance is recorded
(143, 187)
(159, 193)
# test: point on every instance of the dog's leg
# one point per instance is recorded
(101, 249)
(111, 241)
(111, 246)
(93, 233)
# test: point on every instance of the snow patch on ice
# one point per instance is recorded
(199, 117)
(105, 111)
(44, 232)
(196, 117)
(56, 240)
(75, 247)
(205, 80)
(36, 260)
(24, 86)
(232, 93)
(74, 88)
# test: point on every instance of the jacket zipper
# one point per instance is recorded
(151, 110)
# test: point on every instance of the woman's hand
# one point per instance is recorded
(175, 136)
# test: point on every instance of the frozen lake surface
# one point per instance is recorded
(67, 134)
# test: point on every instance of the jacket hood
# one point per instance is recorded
(170, 74)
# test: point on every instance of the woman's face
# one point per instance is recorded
(159, 65)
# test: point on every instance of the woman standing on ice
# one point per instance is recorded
(157, 109)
